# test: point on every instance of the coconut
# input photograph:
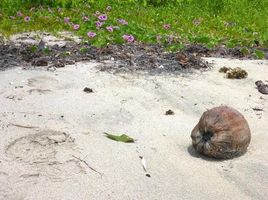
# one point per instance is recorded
(222, 132)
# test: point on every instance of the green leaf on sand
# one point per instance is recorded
(122, 138)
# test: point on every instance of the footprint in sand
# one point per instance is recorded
(47, 153)
(43, 82)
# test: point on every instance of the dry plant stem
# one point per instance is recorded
(23, 126)
(83, 161)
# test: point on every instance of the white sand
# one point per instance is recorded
(38, 163)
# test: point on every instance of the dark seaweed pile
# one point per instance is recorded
(115, 58)
(121, 58)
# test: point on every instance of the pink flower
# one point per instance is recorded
(27, 19)
(66, 20)
(76, 27)
(85, 18)
(91, 34)
(103, 17)
(122, 21)
(19, 14)
(110, 28)
(129, 38)
(166, 26)
(99, 24)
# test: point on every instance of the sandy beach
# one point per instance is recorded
(52, 143)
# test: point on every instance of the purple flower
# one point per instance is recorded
(27, 19)
(128, 38)
(108, 8)
(66, 20)
(110, 28)
(91, 34)
(99, 24)
(85, 18)
(76, 26)
(166, 26)
(19, 14)
(102, 17)
(122, 21)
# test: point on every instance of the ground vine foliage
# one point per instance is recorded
(174, 23)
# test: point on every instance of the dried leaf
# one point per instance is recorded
(122, 138)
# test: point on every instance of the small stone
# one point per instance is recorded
(262, 87)
(88, 90)
(169, 112)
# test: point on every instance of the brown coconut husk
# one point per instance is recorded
(222, 132)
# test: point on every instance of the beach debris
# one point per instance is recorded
(222, 132)
(88, 90)
(23, 126)
(257, 109)
(41, 45)
(169, 112)
(234, 73)
(10, 96)
(262, 87)
(122, 138)
(85, 162)
(224, 69)
(40, 62)
(182, 58)
(59, 64)
(143, 162)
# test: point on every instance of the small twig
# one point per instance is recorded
(23, 126)
(257, 109)
(85, 162)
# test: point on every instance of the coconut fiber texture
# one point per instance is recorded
(222, 132)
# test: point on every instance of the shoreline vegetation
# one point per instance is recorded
(173, 24)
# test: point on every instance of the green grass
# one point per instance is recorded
(229, 22)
